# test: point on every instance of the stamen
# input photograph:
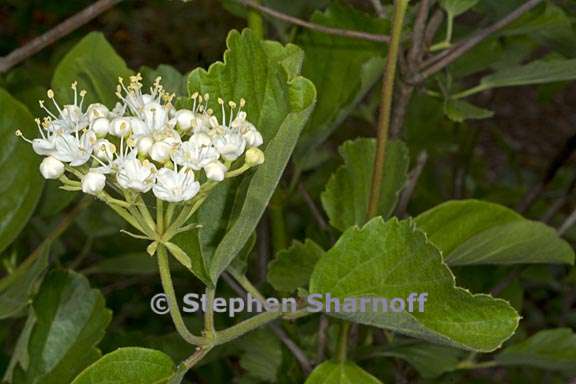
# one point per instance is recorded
(21, 135)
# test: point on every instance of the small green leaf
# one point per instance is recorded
(129, 366)
(536, 72)
(96, 66)
(179, 255)
(261, 355)
(457, 7)
(18, 287)
(552, 349)
(460, 110)
(292, 267)
(330, 372)
(21, 181)
(345, 198)
(278, 103)
(478, 232)
(70, 320)
(342, 69)
(393, 260)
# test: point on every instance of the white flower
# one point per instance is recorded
(174, 186)
(215, 171)
(194, 156)
(97, 111)
(155, 116)
(144, 145)
(230, 145)
(100, 126)
(51, 168)
(74, 150)
(121, 126)
(254, 156)
(253, 138)
(161, 151)
(136, 175)
(44, 147)
(185, 119)
(200, 139)
(104, 150)
(69, 118)
(93, 183)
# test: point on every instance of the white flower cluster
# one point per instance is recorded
(145, 143)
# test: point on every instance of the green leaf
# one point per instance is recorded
(292, 267)
(478, 232)
(552, 349)
(460, 110)
(330, 372)
(278, 103)
(392, 260)
(429, 360)
(19, 287)
(345, 198)
(70, 320)
(536, 72)
(96, 66)
(21, 181)
(261, 355)
(342, 69)
(129, 366)
(457, 7)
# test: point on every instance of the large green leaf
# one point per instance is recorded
(347, 193)
(553, 349)
(392, 260)
(129, 366)
(278, 103)
(478, 232)
(330, 372)
(292, 267)
(70, 320)
(21, 181)
(342, 69)
(261, 355)
(96, 66)
(18, 287)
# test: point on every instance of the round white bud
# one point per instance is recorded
(215, 171)
(100, 126)
(161, 152)
(96, 111)
(254, 156)
(185, 119)
(51, 168)
(144, 145)
(93, 183)
(121, 127)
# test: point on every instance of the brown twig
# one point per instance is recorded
(411, 183)
(442, 60)
(322, 339)
(432, 28)
(379, 8)
(298, 353)
(313, 26)
(66, 27)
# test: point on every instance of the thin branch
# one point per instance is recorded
(411, 184)
(568, 223)
(442, 60)
(379, 8)
(298, 353)
(322, 338)
(313, 26)
(65, 28)
(384, 118)
(419, 33)
(432, 28)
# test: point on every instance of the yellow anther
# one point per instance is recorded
(50, 94)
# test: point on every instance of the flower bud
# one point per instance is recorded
(96, 111)
(215, 171)
(93, 183)
(155, 116)
(51, 168)
(100, 126)
(185, 119)
(121, 127)
(104, 150)
(254, 156)
(144, 145)
(160, 152)
(253, 138)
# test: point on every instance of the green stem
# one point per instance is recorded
(256, 22)
(342, 350)
(470, 92)
(168, 285)
(209, 314)
(247, 285)
(245, 326)
(400, 7)
(159, 216)
(466, 364)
